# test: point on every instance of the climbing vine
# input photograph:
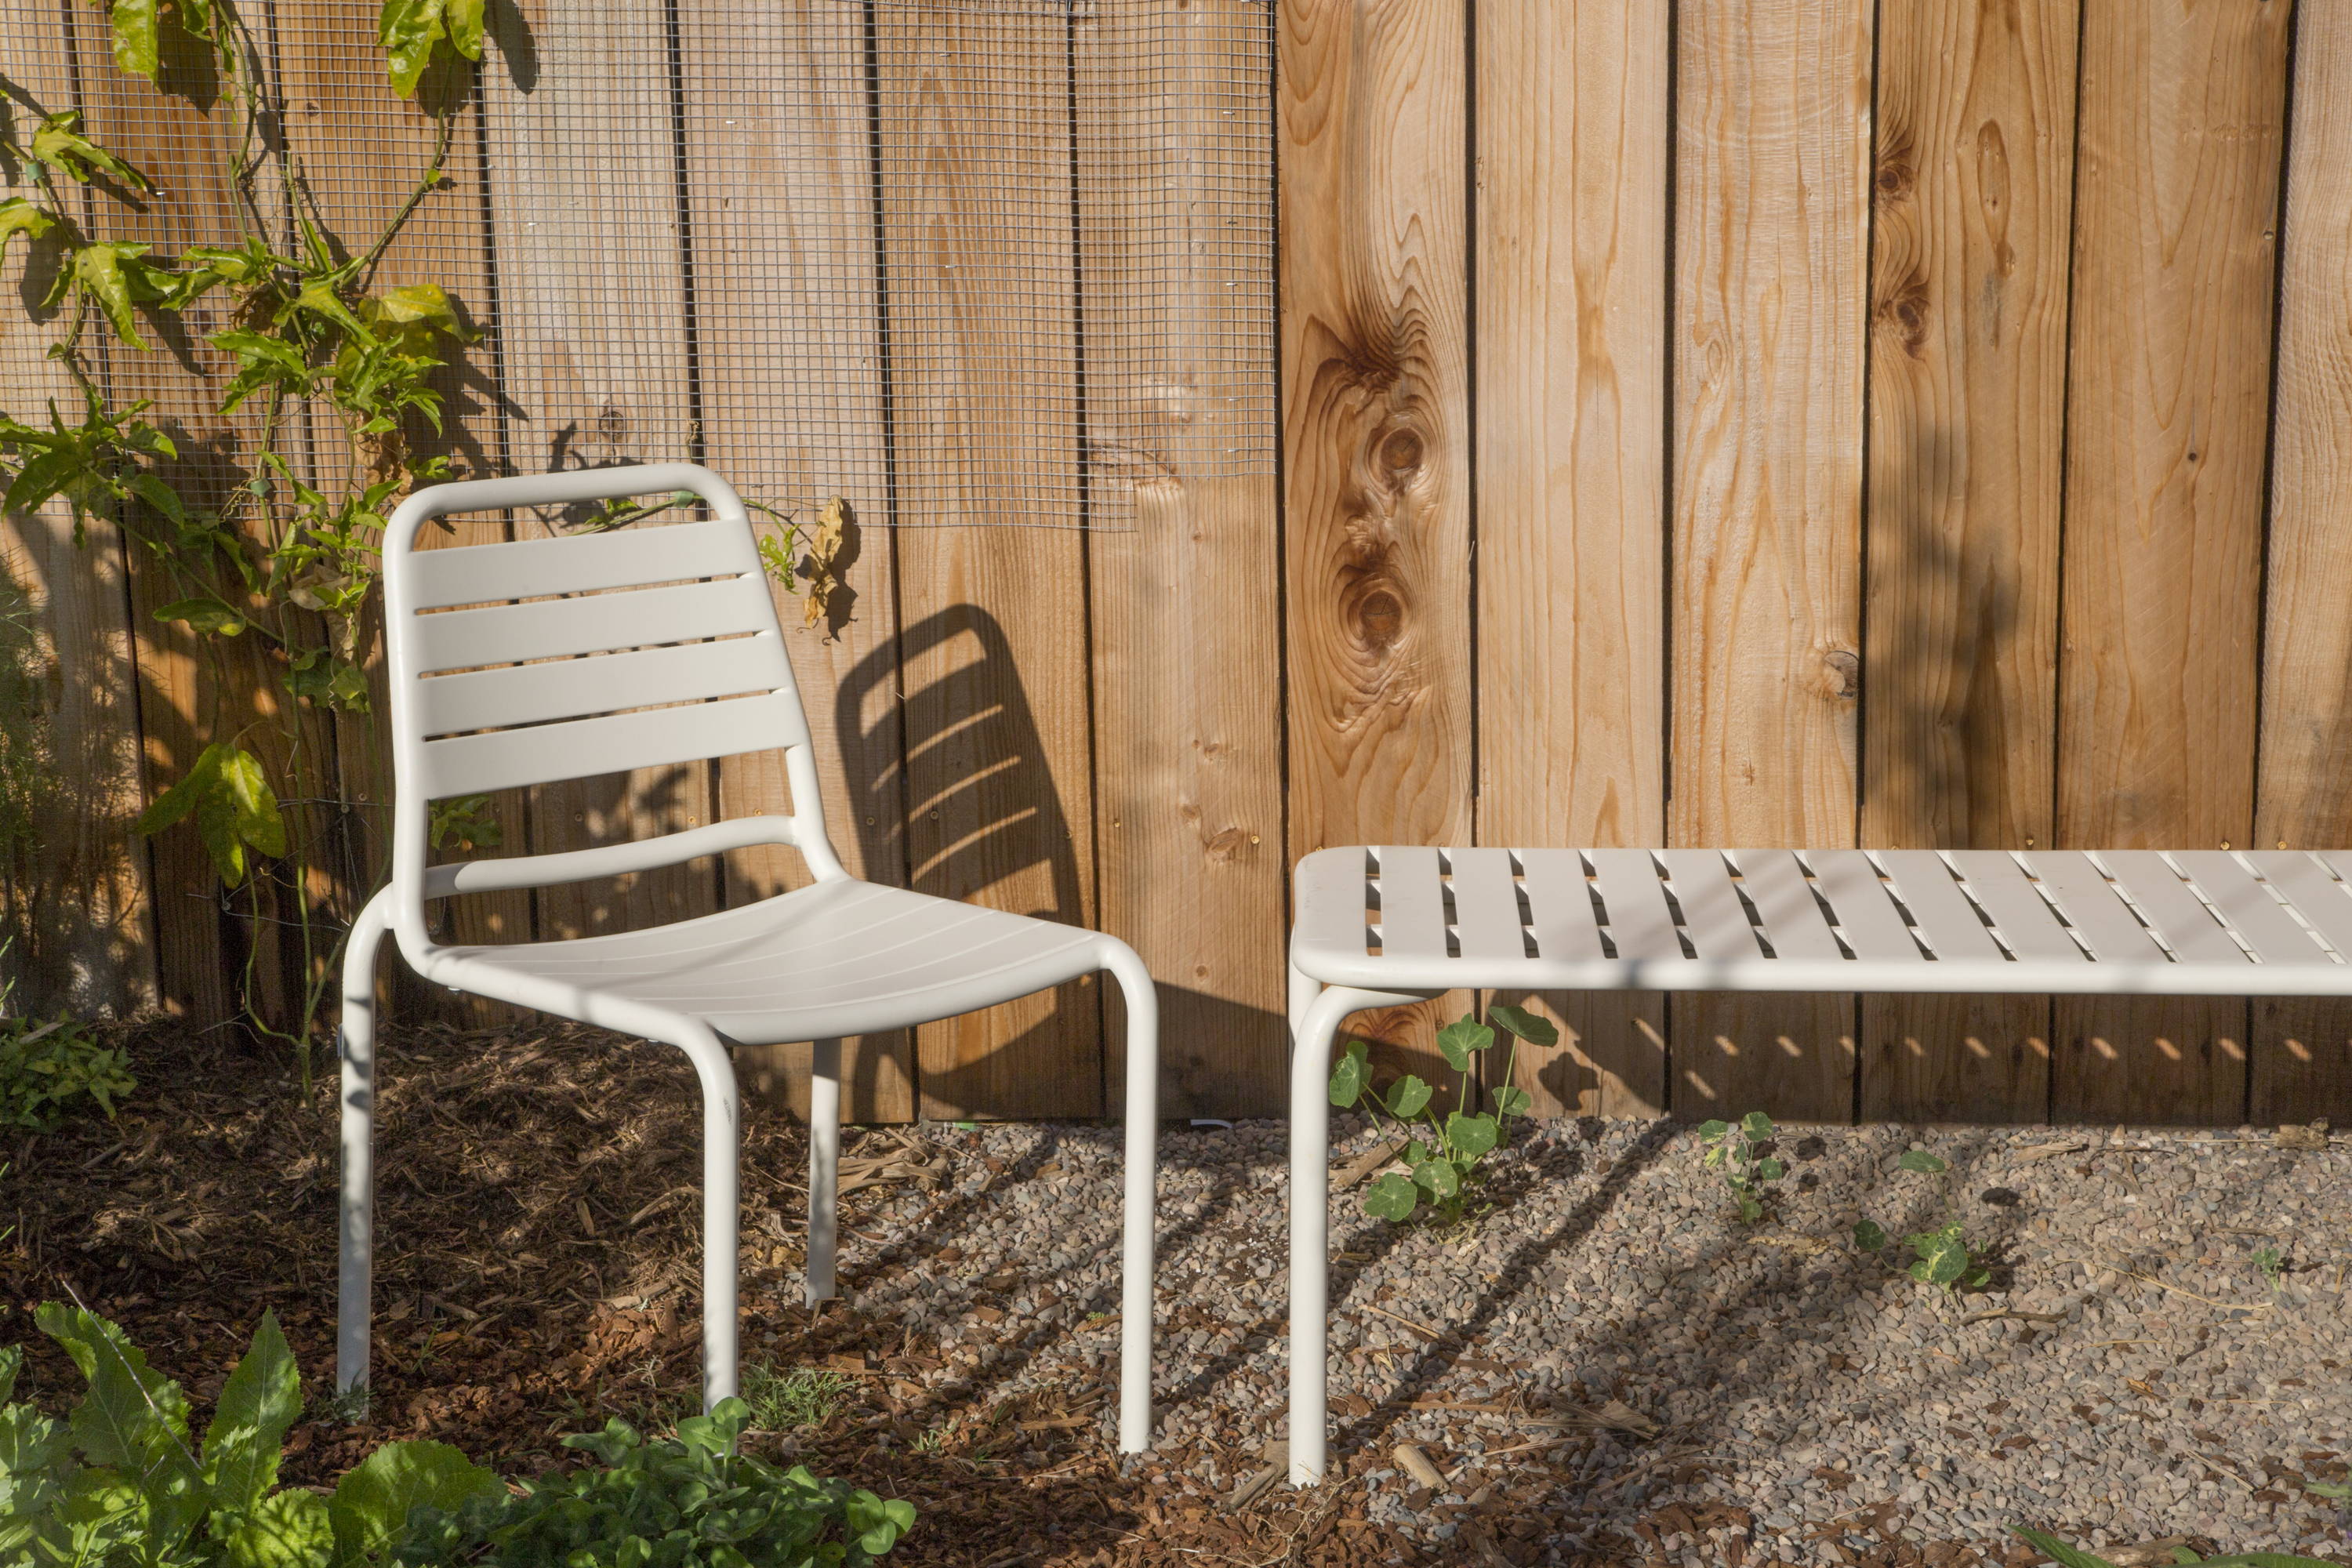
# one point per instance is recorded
(319, 345)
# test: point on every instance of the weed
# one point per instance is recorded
(790, 1401)
(2268, 1260)
(1736, 1153)
(1446, 1166)
(2067, 1556)
(46, 1068)
(1942, 1256)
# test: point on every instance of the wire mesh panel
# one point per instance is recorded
(841, 246)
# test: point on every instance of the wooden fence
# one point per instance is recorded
(1732, 421)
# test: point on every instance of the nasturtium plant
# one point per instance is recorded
(1942, 1256)
(1444, 1167)
(1735, 1153)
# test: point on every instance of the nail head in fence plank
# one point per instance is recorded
(1572, 282)
(2180, 129)
(1187, 626)
(1973, 204)
(1376, 436)
(976, 199)
(1772, 146)
(592, 334)
(780, 195)
(2303, 1048)
(75, 909)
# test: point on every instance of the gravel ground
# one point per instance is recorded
(2132, 1371)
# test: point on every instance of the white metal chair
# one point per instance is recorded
(524, 663)
(1386, 927)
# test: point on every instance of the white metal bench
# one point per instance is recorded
(1383, 927)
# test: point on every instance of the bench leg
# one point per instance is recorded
(1315, 1026)
(1139, 1195)
(355, 1227)
(721, 1234)
(823, 1167)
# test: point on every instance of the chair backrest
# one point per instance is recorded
(529, 662)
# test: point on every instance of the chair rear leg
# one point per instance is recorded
(1139, 1197)
(355, 1223)
(825, 1166)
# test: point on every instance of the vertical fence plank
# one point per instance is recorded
(2303, 1048)
(1968, 382)
(780, 186)
(592, 336)
(1571, 286)
(999, 805)
(2180, 139)
(1188, 738)
(1376, 434)
(1773, 150)
(75, 909)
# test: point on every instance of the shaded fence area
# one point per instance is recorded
(1863, 422)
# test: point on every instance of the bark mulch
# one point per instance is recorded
(536, 1233)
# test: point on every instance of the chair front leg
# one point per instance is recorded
(1139, 1195)
(355, 1223)
(721, 1234)
(823, 1167)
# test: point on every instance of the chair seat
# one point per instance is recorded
(835, 958)
(2194, 922)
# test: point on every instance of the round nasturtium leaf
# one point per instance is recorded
(1391, 1197)
(1921, 1159)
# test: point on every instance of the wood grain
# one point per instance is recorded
(592, 336)
(2181, 128)
(2303, 1048)
(782, 204)
(1772, 176)
(993, 641)
(74, 909)
(1187, 623)
(1376, 437)
(1572, 286)
(1973, 203)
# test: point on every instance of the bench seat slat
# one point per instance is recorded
(1560, 907)
(1639, 922)
(2187, 926)
(2093, 908)
(1412, 903)
(1333, 885)
(2246, 902)
(1712, 916)
(1946, 921)
(1487, 905)
(1873, 927)
(2020, 917)
(1783, 896)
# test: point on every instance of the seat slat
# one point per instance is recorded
(2250, 909)
(1946, 919)
(2318, 897)
(1639, 923)
(1712, 916)
(601, 683)
(1873, 927)
(554, 629)
(1412, 903)
(2019, 916)
(507, 759)
(2094, 907)
(578, 563)
(1333, 901)
(1487, 905)
(2188, 927)
(1559, 906)
(1783, 897)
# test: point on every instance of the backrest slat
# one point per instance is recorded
(598, 683)
(554, 629)
(580, 563)
(505, 759)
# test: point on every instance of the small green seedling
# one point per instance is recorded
(1445, 1165)
(1735, 1153)
(791, 1401)
(1942, 1256)
(2273, 1266)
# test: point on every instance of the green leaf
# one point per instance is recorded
(1513, 1101)
(136, 36)
(292, 1529)
(1471, 1136)
(1438, 1178)
(132, 1422)
(59, 144)
(2057, 1551)
(1943, 1256)
(2317, 1488)
(1460, 1038)
(261, 1399)
(1392, 1197)
(319, 297)
(1349, 1074)
(1757, 1125)
(97, 272)
(1921, 1159)
(11, 1358)
(408, 29)
(1526, 1026)
(1751, 1211)
(1869, 1234)
(371, 1505)
(258, 819)
(19, 215)
(1770, 1170)
(423, 304)
(203, 614)
(1408, 1097)
(465, 22)
(1712, 1132)
(180, 799)
(150, 489)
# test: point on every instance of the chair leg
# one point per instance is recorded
(823, 1166)
(355, 1227)
(1142, 1133)
(721, 1234)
